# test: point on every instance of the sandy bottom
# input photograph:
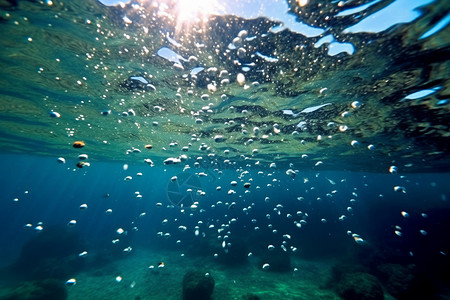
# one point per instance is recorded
(140, 282)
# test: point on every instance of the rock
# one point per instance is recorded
(197, 285)
(51, 254)
(48, 289)
(359, 286)
(404, 283)
(343, 268)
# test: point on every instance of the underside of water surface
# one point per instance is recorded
(122, 77)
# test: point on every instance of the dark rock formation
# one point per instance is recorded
(48, 289)
(404, 283)
(197, 285)
(359, 286)
(340, 269)
(53, 253)
(250, 296)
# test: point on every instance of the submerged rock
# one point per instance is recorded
(340, 269)
(51, 254)
(48, 289)
(359, 286)
(404, 283)
(197, 285)
(250, 296)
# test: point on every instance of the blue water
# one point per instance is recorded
(52, 193)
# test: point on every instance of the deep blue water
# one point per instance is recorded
(52, 193)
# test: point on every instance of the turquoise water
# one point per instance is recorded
(299, 160)
(42, 192)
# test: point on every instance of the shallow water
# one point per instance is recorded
(83, 59)
(268, 146)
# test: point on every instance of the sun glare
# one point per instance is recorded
(189, 10)
(188, 13)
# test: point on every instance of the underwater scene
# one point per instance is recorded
(225, 150)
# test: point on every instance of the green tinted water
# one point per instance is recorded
(76, 58)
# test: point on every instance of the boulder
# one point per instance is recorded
(52, 253)
(197, 285)
(404, 282)
(342, 268)
(359, 286)
(47, 289)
